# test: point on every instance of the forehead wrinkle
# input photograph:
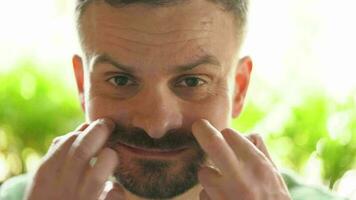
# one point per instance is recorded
(115, 26)
(154, 41)
(148, 29)
(113, 23)
(144, 38)
(118, 45)
(116, 37)
(194, 51)
(143, 48)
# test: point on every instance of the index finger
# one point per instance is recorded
(82, 127)
(86, 146)
(214, 144)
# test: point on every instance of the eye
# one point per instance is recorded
(121, 80)
(191, 82)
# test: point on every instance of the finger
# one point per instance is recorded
(57, 140)
(203, 195)
(82, 127)
(83, 149)
(209, 177)
(212, 182)
(213, 143)
(93, 183)
(51, 166)
(242, 147)
(70, 137)
(57, 153)
(257, 140)
(115, 193)
(54, 158)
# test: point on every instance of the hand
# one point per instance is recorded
(243, 169)
(66, 172)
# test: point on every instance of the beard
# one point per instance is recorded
(155, 178)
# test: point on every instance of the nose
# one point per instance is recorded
(156, 111)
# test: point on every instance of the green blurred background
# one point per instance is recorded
(302, 98)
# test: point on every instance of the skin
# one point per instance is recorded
(152, 42)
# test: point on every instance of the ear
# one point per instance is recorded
(79, 77)
(242, 80)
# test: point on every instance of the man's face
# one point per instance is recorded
(155, 71)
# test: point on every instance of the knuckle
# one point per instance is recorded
(56, 140)
(264, 173)
(209, 176)
(82, 153)
(228, 132)
(263, 170)
(257, 137)
(41, 175)
(64, 138)
(60, 144)
(72, 136)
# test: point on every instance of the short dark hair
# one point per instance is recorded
(238, 7)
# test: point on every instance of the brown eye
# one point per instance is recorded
(121, 81)
(191, 82)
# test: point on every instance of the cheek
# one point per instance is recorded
(100, 106)
(216, 110)
(100, 101)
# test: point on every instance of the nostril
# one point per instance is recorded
(157, 116)
(157, 126)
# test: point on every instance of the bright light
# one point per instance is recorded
(302, 43)
(4, 168)
(346, 186)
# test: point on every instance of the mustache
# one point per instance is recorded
(172, 139)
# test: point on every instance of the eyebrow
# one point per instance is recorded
(207, 59)
(105, 58)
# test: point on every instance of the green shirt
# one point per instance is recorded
(14, 189)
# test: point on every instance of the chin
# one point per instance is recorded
(159, 178)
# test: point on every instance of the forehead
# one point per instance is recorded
(164, 34)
